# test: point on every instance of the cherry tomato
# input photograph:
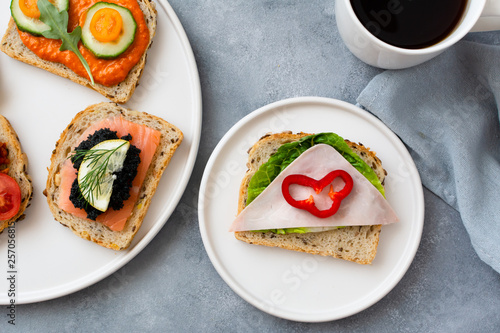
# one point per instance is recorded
(29, 8)
(106, 25)
(10, 197)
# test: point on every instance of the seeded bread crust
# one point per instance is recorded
(120, 93)
(171, 138)
(18, 168)
(356, 243)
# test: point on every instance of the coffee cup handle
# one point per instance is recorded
(490, 17)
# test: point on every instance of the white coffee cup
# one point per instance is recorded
(479, 15)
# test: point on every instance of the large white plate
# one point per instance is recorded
(51, 260)
(299, 286)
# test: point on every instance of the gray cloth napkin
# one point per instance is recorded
(447, 113)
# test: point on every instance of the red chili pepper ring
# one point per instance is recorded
(318, 185)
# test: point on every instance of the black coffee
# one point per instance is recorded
(411, 24)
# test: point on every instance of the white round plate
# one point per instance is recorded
(50, 260)
(299, 286)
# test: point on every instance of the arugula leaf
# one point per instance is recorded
(58, 23)
(288, 152)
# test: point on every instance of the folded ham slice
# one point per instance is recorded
(365, 205)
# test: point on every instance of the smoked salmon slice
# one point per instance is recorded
(144, 138)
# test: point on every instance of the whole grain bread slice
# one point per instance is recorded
(120, 93)
(17, 169)
(356, 243)
(171, 138)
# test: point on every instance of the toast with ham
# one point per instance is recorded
(124, 121)
(353, 243)
(13, 46)
(17, 168)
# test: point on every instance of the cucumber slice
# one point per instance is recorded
(29, 24)
(109, 50)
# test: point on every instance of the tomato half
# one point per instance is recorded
(10, 197)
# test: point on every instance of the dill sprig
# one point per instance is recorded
(91, 182)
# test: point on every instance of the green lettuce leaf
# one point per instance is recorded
(288, 152)
(298, 230)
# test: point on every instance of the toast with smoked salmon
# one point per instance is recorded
(352, 243)
(13, 44)
(14, 163)
(156, 141)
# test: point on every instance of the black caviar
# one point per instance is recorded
(124, 177)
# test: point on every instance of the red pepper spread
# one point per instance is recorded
(106, 72)
(4, 160)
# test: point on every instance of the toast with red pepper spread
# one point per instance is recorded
(12, 45)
